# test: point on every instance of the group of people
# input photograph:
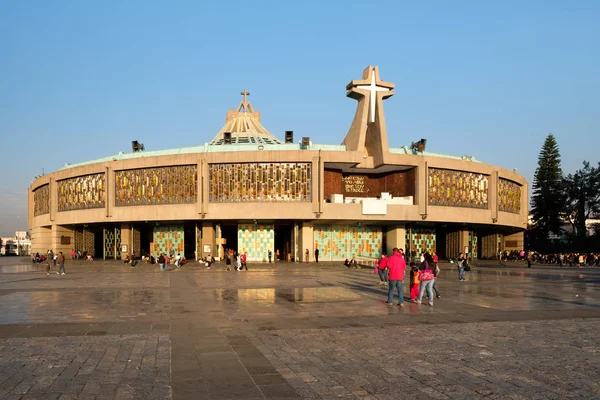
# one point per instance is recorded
(54, 258)
(423, 276)
(241, 260)
(564, 259)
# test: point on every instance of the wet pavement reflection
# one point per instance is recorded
(110, 291)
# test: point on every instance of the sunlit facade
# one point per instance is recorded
(252, 192)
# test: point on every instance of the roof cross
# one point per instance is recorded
(245, 93)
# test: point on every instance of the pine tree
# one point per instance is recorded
(547, 200)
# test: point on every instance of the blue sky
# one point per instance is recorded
(80, 80)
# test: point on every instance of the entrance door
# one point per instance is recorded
(283, 241)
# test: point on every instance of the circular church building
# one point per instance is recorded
(249, 191)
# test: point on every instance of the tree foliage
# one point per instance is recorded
(582, 190)
(547, 200)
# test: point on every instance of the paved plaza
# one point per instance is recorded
(294, 331)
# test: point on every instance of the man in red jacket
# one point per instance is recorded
(396, 266)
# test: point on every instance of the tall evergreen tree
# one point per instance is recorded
(547, 200)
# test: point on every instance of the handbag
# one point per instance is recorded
(467, 268)
(426, 275)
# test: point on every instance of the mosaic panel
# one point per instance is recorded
(260, 182)
(168, 240)
(457, 188)
(41, 200)
(421, 240)
(88, 191)
(160, 185)
(109, 243)
(256, 240)
(198, 240)
(118, 243)
(473, 245)
(137, 242)
(509, 196)
(341, 242)
(78, 239)
(89, 243)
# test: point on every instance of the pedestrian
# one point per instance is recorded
(244, 262)
(436, 273)
(460, 264)
(396, 266)
(414, 282)
(161, 262)
(270, 255)
(238, 266)
(47, 268)
(306, 255)
(427, 278)
(61, 263)
(227, 261)
(317, 255)
(383, 269)
(209, 261)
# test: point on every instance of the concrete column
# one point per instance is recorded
(41, 239)
(110, 190)
(395, 236)
(58, 233)
(306, 239)
(421, 187)
(316, 184)
(464, 241)
(493, 196)
(199, 188)
(208, 239)
(127, 239)
(53, 199)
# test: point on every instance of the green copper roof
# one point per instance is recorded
(408, 150)
(208, 148)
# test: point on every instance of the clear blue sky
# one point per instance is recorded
(81, 79)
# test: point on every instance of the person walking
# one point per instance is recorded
(307, 255)
(460, 264)
(427, 279)
(414, 281)
(244, 260)
(227, 261)
(178, 260)
(238, 265)
(61, 263)
(317, 255)
(436, 272)
(161, 262)
(382, 269)
(396, 266)
(269, 255)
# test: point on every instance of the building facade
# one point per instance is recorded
(249, 191)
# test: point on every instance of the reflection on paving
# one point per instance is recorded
(294, 331)
(88, 306)
(295, 295)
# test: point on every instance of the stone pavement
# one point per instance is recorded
(294, 331)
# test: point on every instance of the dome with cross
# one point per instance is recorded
(244, 126)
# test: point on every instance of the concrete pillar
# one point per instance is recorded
(395, 236)
(41, 239)
(306, 239)
(464, 241)
(126, 240)
(208, 239)
(63, 239)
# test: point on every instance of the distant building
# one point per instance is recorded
(252, 192)
(18, 245)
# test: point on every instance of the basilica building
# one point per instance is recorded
(252, 192)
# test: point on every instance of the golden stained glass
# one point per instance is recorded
(82, 192)
(509, 195)
(260, 182)
(457, 188)
(159, 185)
(41, 200)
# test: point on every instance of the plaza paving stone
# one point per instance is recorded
(294, 331)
